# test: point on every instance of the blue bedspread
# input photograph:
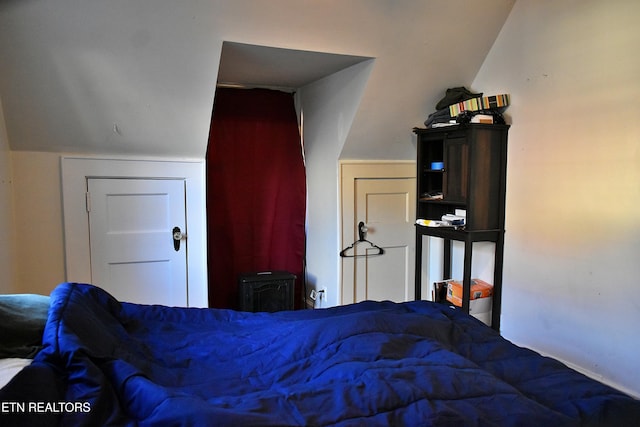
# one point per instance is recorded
(369, 364)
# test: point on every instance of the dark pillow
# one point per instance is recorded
(22, 320)
(455, 95)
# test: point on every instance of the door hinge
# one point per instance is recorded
(88, 201)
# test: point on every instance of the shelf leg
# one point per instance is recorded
(418, 267)
(446, 260)
(497, 283)
(466, 278)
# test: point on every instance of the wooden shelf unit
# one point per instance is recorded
(470, 174)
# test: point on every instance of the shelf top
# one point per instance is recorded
(459, 126)
(442, 201)
(460, 234)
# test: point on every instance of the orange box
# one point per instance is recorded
(479, 289)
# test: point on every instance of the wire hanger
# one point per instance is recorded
(362, 230)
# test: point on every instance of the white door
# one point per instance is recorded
(387, 207)
(131, 224)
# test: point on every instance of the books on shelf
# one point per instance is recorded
(454, 219)
(448, 220)
(480, 104)
(432, 223)
(432, 195)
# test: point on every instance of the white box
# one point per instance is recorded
(480, 308)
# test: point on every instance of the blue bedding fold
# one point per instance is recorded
(372, 363)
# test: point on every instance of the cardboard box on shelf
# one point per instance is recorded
(481, 303)
(479, 289)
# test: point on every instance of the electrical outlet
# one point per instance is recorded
(316, 297)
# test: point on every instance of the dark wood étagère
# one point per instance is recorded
(463, 167)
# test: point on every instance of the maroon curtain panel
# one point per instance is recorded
(256, 191)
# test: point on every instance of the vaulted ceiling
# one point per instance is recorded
(138, 77)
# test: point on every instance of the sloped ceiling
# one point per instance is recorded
(138, 77)
(246, 65)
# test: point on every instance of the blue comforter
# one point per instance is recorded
(372, 363)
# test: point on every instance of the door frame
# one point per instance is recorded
(349, 171)
(75, 173)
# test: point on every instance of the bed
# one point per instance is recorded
(105, 362)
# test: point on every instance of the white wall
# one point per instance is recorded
(7, 284)
(329, 106)
(39, 248)
(573, 192)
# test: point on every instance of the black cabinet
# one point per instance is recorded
(463, 167)
(266, 291)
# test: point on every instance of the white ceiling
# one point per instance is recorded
(288, 69)
(139, 77)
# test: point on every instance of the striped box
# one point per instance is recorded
(479, 104)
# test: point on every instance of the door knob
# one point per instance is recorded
(362, 231)
(177, 237)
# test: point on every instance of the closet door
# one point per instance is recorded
(387, 207)
(134, 255)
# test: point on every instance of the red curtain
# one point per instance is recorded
(256, 190)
